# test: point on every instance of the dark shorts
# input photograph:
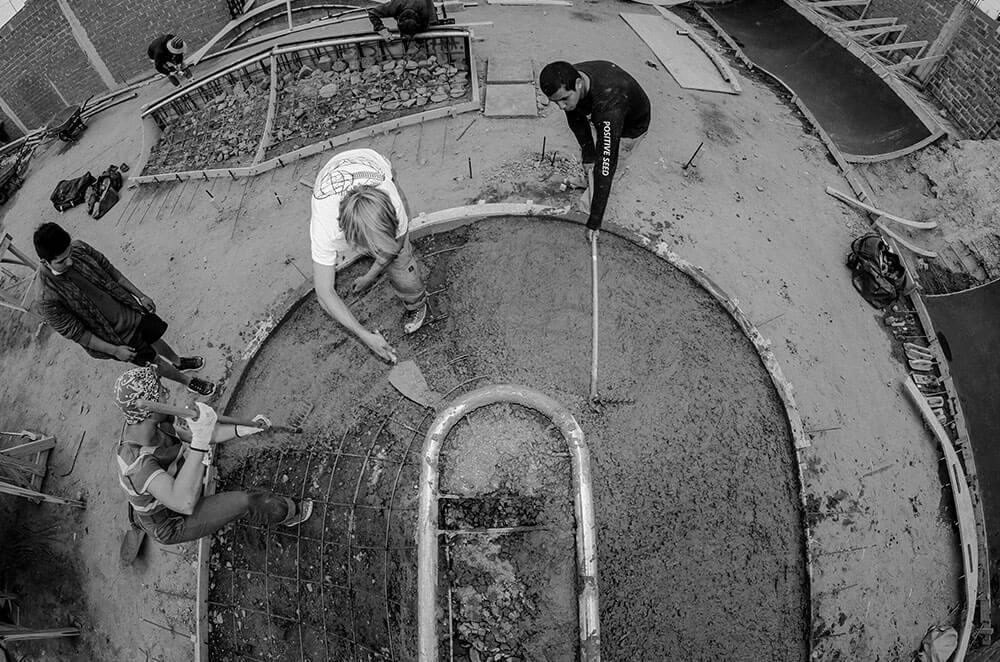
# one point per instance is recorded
(151, 328)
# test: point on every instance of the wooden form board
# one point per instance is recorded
(967, 534)
(724, 70)
(516, 100)
(686, 62)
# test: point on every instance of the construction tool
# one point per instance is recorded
(594, 320)
(407, 378)
(75, 455)
(299, 414)
(131, 541)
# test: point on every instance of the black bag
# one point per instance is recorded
(103, 194)
(71, 192)
(876, 271)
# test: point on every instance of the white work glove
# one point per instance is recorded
(202, 427)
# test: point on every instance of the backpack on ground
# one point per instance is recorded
(71, 192)
(876, 271)
(103, 193)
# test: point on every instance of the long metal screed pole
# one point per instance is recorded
(595, 316)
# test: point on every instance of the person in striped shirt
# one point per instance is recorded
(161, 464)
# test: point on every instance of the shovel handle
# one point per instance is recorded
(171, 410)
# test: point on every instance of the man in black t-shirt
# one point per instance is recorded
(604, 95)
(412, 16)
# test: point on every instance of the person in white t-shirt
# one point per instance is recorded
(357, 207)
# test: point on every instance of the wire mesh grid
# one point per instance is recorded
(342, 585)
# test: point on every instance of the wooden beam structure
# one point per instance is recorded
(11, 254)
(865, 22)
(902, 45)
(909, 64)
(839, 3)
(879, 31)
(945, 37)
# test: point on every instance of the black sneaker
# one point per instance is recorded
(414, 319)
(201, 387)
(301, 514)
(190, 363)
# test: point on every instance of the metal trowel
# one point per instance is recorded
(406, 378)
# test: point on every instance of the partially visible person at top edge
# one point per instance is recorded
(603, 95)
(412, 16)
(167, 53)
(356, 206)
(162, 461)
(87, 300)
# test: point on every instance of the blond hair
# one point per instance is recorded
(369, 220)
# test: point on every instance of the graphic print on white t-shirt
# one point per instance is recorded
(341, 176)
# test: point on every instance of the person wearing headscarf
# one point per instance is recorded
(161, 465)
(167, 53)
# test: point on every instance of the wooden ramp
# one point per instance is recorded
(687, 63)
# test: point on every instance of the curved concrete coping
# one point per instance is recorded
(864, 192)
(966, 515)
(890, 79)
(151, 131)
(583, 504)
(239, 26)
(448, 219)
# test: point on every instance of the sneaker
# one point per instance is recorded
(190, 363)
(303, 512)
(414, 319)
(201, 387)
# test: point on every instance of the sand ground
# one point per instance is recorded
(752, 213)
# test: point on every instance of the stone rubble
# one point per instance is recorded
(225, 132)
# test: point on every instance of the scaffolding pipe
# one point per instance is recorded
(427, 531)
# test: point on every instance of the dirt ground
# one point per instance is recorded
(956, 184)
(752, 213)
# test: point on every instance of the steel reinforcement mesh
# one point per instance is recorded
(342, 586)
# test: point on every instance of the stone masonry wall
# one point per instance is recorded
(968, 80)
(38, 46)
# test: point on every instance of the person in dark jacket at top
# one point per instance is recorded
(167, 53)
(412, 16)
(603, 95)
(87, 300)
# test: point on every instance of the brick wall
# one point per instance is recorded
(967, 83)
(923, 18)
(38, 46)
(122, 29)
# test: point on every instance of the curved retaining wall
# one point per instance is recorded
(449, 219)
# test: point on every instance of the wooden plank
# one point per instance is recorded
(904, 241)
(45, 443)
(272, 107)
(509, 68)
(685, 61)
(884, 29)
(727, 74)
(839, 3)
(905, 66)
(31, 467)
(968, 538)
(515, 100)
(16, 490)
(843, 197)
(896, 47)
(562, 3)
(864, 22)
